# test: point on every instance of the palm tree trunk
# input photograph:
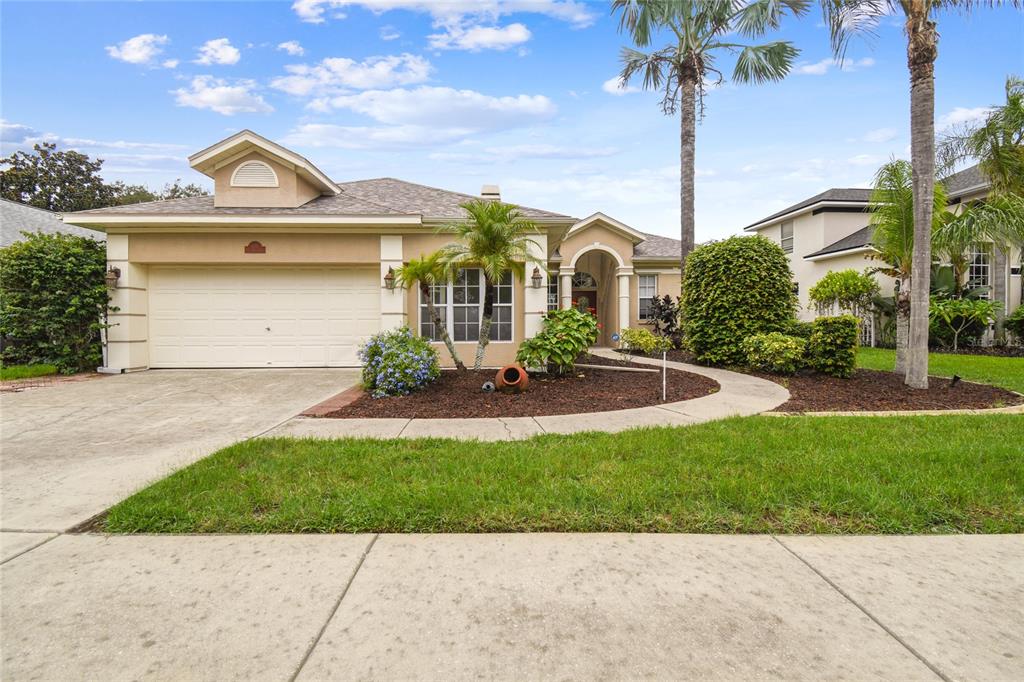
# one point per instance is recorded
(922, 48)
(440, 326)
(485, 323)
(902, 311)
(687, 151)
(1000, 260)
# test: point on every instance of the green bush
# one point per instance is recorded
(565, 335)
(775, 352)
(848, 290)
(52, 301)
(733, 289)
(397, 362)
(832, 348)
(799, 329)
(957, 316)
(644, 341)
(1015, 323)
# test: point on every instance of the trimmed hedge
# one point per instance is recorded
(775, 352)
(733, 289)
(832, 348)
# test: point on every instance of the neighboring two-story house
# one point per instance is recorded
(830, 231)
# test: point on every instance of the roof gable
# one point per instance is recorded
(607, 222)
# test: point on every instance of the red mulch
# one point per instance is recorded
(872, 390)
(458, 395)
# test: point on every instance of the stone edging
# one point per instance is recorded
(1012, 409)
(738, 395)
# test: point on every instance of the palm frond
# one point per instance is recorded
(756, 18)
(762, 63)
(847, 19)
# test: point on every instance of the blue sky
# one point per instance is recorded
(462, 93)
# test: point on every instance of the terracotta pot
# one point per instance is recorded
(511, 379)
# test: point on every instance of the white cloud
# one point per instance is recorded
(880, 135)
(865, 160)
(476, 38)
(218, 51)
(142, 49)
(335, 74)
(615, 86)
(820, 68)
(371, 137)
(216, 94)
(16, 133)
(389, 33)
(170, 63)
(292, 47)
(578, 13)
(507, 153)
(962, 115)
(445, 107)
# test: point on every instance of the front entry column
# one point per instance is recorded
(565, 286)
(624, 274)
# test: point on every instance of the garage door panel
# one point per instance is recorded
(261, 317)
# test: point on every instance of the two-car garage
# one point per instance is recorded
(245, 316)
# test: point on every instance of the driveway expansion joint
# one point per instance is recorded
(906, 645)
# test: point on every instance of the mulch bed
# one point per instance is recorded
(870, 390)
(18, 385)
(457, 395)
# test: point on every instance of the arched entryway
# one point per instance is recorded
(592, 283)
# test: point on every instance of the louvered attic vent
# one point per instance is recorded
(254, 174)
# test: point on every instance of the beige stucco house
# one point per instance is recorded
(830, 231)
(284, 267)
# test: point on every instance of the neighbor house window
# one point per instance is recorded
(648, 289)
(787, 236)
(460, 304)
(553, 301)
(979, 270)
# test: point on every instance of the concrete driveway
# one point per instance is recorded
(72, 450)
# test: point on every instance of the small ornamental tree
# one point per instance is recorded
(53, 301)
(960, 314)
(845, 291)
(733, 289)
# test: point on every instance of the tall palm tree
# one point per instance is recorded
(847, 18)
(894, 239)
(496, 240)
(423, 273)
(702, 31)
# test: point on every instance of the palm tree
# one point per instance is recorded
(423, 273)
(846, 18)
(703, 30)
(496, 240)
(894, 239)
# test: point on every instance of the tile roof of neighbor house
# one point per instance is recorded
(16, 218)
(857, 240)
(968, 179)
(380, 196)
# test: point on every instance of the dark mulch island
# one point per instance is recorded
(458, 395)
(869, 390)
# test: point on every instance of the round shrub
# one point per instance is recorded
(832, 348)
(397, 363)
(565, 335)
(1015, 324)
(643, 341)
(733, 289)
(775, 352)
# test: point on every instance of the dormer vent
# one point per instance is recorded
(490, 192)
(254, 174)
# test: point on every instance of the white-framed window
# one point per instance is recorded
(647, 288)
(979, 269)
(460, 305)
(254, 174)
(786, 236)
(553, 302)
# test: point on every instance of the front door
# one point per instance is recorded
(586, 300)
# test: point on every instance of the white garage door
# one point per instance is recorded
(260, 317)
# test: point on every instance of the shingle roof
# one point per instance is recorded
(380, 196)
(968, 178)
(656, 246)
(849, 194)
(857, 240)
(16, 218)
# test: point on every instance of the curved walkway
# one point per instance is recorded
(739, 395)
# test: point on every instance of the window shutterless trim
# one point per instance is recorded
(449, 307)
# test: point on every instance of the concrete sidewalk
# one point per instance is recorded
(529, 606)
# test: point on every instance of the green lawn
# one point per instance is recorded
(751, 475)
(985, 369)
(26, 371)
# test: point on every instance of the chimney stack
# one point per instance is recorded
(490, 192)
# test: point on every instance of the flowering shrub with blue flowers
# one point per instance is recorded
(397, 362)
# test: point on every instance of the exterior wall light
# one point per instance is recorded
(389, 279)
(536, 278)
(113, 274)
